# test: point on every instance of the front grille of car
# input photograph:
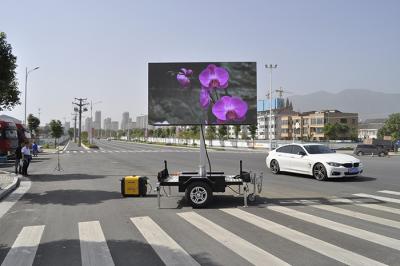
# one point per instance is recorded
(350, 165)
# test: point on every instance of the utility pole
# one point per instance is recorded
(81, 103)
(270, 67)
(74, 114)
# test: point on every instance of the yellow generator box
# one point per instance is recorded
(134, 186)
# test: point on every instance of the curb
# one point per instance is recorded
(84, 146)
(66, 146)
(11, 187)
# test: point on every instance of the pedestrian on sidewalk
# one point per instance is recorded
(26, 153)
(35, 149)
(18, 158)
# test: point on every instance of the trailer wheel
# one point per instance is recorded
(251, 197)
(198, 194)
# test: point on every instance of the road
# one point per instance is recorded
(78, 217)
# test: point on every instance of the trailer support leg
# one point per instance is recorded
(158, 196)
(245, 195)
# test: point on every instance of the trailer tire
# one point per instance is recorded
(251, 197)
(198, 194)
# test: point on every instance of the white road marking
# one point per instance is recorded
(317, 245)
(379, 207)
(94, 249)
(88, 151)
(170, 252)
(346, 229)
(117, 151)
(243, 248)
(82, 152)
(363, 195)
(95, 151)
(12, 198)
(67, 151)
(390, 192)
(25, 246)
(358, 215)
(75, 151)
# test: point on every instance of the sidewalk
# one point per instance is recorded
(8, 182)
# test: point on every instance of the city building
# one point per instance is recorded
(310, 125)
(88, 124)
(125, 120)
(142, 122)
(97, 120)
(107, 123)
(67, 126)
(277, 103)
(114, 125)
(263, 127)
(369, 128)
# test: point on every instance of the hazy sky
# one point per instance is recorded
(100, 49)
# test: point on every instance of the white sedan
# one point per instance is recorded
(313, 159)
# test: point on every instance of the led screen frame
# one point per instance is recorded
(202, 93)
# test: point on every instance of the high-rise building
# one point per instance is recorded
(125, 120)
(141, 121)
(107, 123)
(114, 125)
(97, 120)
(88, 124)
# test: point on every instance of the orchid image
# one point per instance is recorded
(214, 77)
(204, 98)
(183, 77)
(230, 109)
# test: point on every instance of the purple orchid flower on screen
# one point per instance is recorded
(183, 77)
(204, 98)
(230, 109)
(214, 77)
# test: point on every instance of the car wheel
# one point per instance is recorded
(319, 172)
(381, 154)
(199, 194)
(275, 167)
(360, 153)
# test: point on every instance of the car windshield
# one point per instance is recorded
(317, 149)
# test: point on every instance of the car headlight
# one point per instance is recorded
(334, 164)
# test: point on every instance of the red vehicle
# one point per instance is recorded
(8, 138)
(23, 133)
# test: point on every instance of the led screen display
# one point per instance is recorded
(202, 93)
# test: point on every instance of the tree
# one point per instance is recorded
(210, 133)
(330, 131)
(287, 103)
(195, 132)
(222, 132)
(56, 130)
(33, 123)
(71, 133)
(290, 106)
(9, 93)
(253, 131)
(236, 129)
(391, 127)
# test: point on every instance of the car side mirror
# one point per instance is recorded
(302, 153)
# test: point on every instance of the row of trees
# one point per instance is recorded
(339, 131)
(391, 127)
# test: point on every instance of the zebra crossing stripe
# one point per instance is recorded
(170, 252)
(88, 151)
(82, 152)
(387, 199)
(75, 151)
(322, 247)
(5, 205)
(95, 151)
(379, 207)
(67, 151)
(358, 215)
(94, 249)
(345, 229)
(243, 248)
(117, 151)
(24, 249)
(390, 192)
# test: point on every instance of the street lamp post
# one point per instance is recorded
(270, 67)
(26, 88)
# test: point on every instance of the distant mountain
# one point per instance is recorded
(368, 104)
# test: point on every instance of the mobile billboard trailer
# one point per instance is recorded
(204, 94)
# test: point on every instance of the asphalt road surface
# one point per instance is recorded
(77, 216)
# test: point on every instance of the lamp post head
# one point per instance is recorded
(35, 68)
